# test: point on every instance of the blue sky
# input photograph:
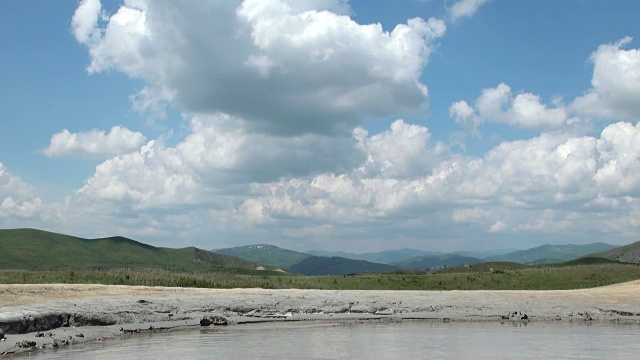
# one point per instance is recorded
(226, 123)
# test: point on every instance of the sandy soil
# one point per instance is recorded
(61, 312)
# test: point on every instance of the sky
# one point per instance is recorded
(357, 125)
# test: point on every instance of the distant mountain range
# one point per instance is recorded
(341, 263)
(547, 254)
(29, 249)
(394, 256)
(302, 263)
(382, 257)
(411, 259)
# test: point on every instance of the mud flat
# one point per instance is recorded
(36, 317)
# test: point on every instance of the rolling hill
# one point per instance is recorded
(435, 262)
(29, 249)
(302, 263)
(336, 266)
(265, 254)
(626, 254)
(382, 257)
(551, 253)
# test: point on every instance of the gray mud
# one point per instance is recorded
(68, 315)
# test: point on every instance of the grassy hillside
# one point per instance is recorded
(382, 257)
(550, 253)
(265, 254)
(626, 254)
(483, 267)
(436, 262)
(28, 249)
(318, 265)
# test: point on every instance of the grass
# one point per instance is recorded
(529, 278)
(28, 249)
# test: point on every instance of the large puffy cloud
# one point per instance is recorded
(615, 84)
(499, 105)
(285, 66)
(218, 154)
(94, 143)
(619, 154)
(278, 87)
(553, 182)
(401, 185)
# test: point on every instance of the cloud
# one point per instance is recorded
(498, 104)
(469, 215)
(612, 97)
(619, 156)
(218, 152)
(94, 143)
(513, 181)
(465, 8)
(498, 226)
(17, 199)
(615, 84)
(85, 20)
(152, 102)
(286, 67)
(400, 185)
(403, 151)
(273, 93)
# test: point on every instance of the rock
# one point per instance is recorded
(58, 342)
(524, 317)
(39, 334)
(26, 344)
(81, 335)
(385, 312)
(362, 309)
(1, 334)
(214, 320)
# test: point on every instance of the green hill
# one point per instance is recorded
(550, 253)
(626, 254)
(382, 257)
(435, 262)
(265, 254)
(301, 263)
(587, 260)
(319, 265)
(29, 249)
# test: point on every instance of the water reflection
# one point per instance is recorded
(408, 340)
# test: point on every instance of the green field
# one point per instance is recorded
(540, 278)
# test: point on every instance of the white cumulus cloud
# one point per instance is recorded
(615, 84)
(17, 199)
(284, 66)
(94, 143)
(499, 105)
